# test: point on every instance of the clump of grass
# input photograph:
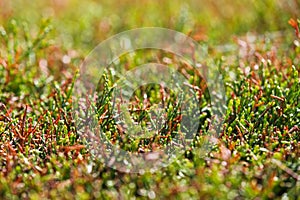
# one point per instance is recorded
(42, 155)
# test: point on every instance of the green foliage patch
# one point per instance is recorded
(257, 153)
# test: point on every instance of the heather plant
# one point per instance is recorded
(253, 154)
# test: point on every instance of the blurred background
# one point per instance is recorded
(83, 24)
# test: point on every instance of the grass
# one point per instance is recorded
(253, 45)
